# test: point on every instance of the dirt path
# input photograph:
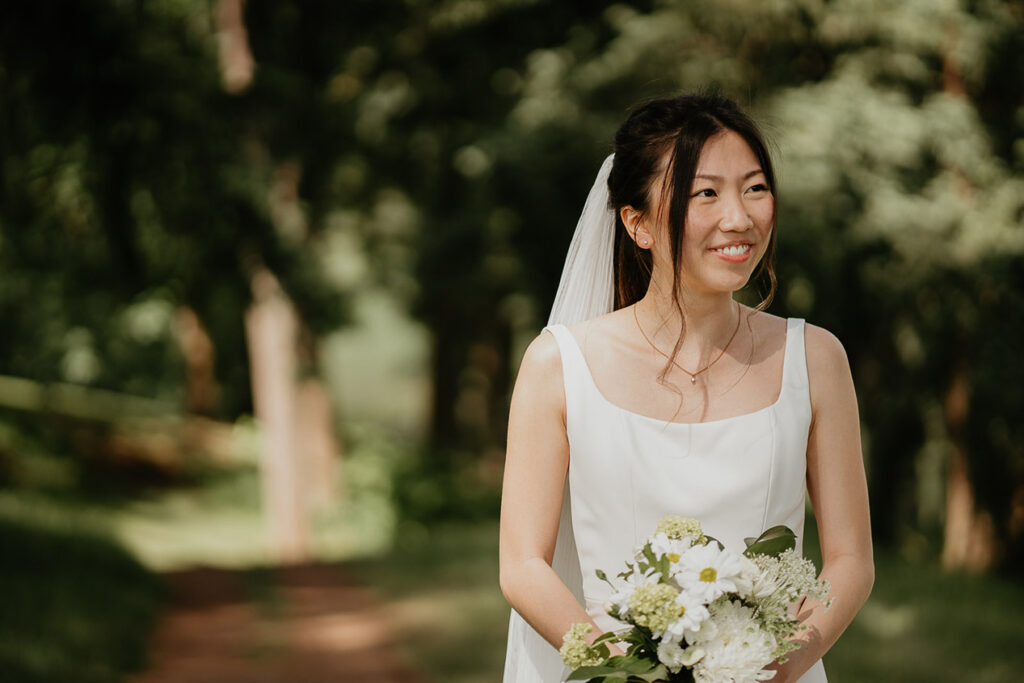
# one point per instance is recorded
(302, 624)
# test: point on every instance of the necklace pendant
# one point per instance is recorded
(693, 380)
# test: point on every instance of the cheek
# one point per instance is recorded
(699, 224)
(763, 213)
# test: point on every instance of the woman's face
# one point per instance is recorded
(728, 219)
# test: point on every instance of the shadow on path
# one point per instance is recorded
(300, 624)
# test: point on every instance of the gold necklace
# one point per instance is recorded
(693, 375)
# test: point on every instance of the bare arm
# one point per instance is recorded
(838, 490)
(536, 462)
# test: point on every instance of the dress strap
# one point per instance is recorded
(794, 364)
(573, 363)
(575, 373)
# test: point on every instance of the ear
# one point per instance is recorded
(634, 222)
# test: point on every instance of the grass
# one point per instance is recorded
(76, 606)
(441, 583)
(920, 624)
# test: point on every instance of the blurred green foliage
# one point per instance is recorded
(77, 607)
(443, 151)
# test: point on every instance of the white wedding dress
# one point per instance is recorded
(738, 476)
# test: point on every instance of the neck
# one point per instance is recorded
(710, 320)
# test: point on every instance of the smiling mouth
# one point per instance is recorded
(733, 250)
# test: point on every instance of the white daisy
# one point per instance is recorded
(692, 614)
(673, 548)
(707, 571)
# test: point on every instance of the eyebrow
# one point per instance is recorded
(708, 176)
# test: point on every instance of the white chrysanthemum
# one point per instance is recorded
(752, 582)
(707, 571)
(692, 613)
(673, 548)
(736, 649)
(673, 656)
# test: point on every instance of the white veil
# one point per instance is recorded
(586, 290)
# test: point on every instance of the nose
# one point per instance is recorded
(735, 216)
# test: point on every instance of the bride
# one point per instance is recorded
(654, 392)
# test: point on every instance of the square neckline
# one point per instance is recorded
(790, 323)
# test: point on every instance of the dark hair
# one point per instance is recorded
(678, 126)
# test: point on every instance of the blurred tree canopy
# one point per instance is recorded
(448, 147)
(131, 187)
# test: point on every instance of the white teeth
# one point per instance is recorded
(734, 250)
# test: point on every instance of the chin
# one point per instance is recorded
(719, 283)
(731, 284)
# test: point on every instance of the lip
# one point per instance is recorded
(733, 258)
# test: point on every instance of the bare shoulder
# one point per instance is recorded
(825, 353)
(767, 326)
(542, 355)
(828, 368)
(608, 325)
(603, 334)
(540, 374)
(767, 331)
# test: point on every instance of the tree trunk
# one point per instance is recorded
(198, 351)
(299, 449)
(236, 60)
(449, 354)
(314, 429)
(272, 333)
(969, 538)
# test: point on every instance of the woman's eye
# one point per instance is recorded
(708, 192)
(760, 187)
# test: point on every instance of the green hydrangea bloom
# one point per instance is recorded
(654, 606)
(681, 527)
(575, 651)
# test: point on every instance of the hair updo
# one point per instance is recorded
(677, 126)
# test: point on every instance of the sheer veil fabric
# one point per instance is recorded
(586, 290)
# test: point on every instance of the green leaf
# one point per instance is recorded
(631, 664)
(618, 668)
(658, 673)
(649, 555)
(587, 673)
(711, 539)
(663, 567)
(772, 542)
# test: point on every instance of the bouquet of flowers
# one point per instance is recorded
(697, 611)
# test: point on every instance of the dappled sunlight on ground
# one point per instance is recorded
(306, 623)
